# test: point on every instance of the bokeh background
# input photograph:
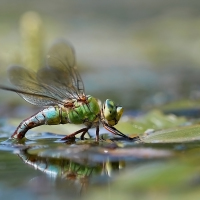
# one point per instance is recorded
(143, 54)
(140, 53)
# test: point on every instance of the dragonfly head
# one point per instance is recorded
(111, 112)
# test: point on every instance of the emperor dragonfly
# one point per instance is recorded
(59, 88)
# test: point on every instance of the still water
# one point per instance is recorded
(43, 167)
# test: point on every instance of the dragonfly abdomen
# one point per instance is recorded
(48, 116)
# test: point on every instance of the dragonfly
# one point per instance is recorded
(59, 89)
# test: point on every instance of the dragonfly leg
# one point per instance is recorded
(84, 130)
(97, 133)
(117, 132)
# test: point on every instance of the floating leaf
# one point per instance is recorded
(154, 120)
(174, 135)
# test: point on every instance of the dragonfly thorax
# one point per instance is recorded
(111, 112)
(83, 112)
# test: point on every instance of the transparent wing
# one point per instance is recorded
(62, 67)
(29, 88)
(59, 81)
(56, 83)
(35, 99)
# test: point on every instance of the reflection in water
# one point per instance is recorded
(83, 165)
(77, 175)
(70, 169)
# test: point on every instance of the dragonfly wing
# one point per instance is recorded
(58, 80)
(29, 88)
(61, 58)
(56, 83)
(38, 101)
(61, 55)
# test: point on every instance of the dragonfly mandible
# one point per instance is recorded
(58, 87)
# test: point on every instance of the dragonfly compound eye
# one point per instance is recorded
(111, 112)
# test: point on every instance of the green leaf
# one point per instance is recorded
(174, 135)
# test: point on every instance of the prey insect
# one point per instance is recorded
(58, 87)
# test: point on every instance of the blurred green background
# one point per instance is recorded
(140, 53)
